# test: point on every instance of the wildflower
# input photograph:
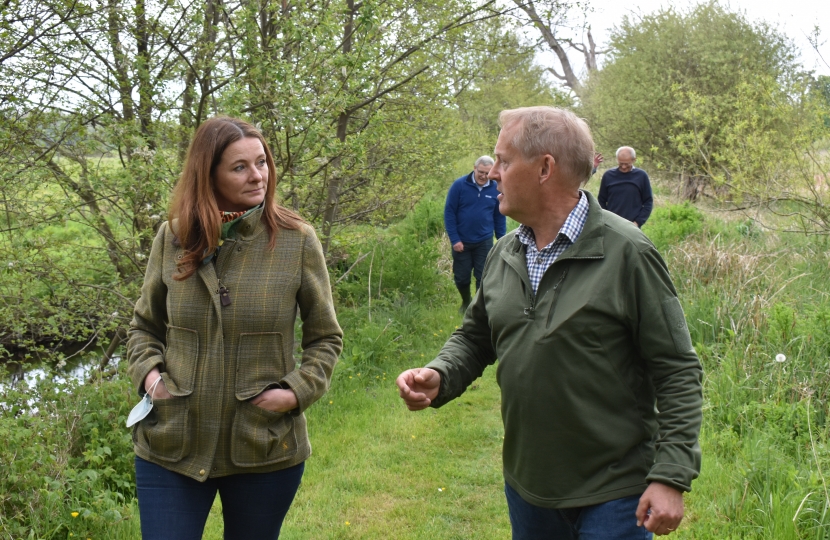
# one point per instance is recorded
(413, 436)
(75, 514)
(780, 358)
(347, 523)
(330, 402)
(114, 314)
(439, 489)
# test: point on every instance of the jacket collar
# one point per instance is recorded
(589, 245)
(471, 180)
(250, 225)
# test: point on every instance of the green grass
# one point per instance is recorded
(379, 471)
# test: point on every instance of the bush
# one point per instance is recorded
(67, 458)
(672, 223)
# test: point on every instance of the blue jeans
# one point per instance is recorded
(175, 507)
(472, 259)
(612, 520)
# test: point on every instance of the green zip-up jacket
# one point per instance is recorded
(600, 384)
(214, 356)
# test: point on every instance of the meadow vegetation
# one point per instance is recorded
(758, 311)
(371, 108)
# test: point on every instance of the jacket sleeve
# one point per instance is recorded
(499, 222)
(450, 214)
(147, 334)
(675, 372)
(322, 337)
(648, 202)
(467, 352)
(602, 196)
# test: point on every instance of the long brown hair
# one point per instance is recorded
(194, 210)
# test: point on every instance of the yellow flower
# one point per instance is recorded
(74, 514)
(347, 523)
(330, 402)
(413, 436)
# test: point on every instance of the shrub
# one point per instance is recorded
(672, 223)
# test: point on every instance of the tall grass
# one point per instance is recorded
(758, 310)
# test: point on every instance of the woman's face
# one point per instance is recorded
(241, 177)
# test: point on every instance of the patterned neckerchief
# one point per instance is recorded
(230, 216)
(538, 260)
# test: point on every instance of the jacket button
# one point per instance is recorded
(202, 472)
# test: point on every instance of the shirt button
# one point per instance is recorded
(539, 260)
(202, 472)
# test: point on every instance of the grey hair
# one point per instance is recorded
(486, 160)
(629, 149)
(554, 131)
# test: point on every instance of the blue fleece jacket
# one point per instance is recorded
(626, 194)
(471, 215)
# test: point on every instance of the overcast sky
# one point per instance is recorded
(795, 18)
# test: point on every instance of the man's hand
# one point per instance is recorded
(276, 400)
(418, 387)
(636, 224)
(597, 159)
(458, 246)
(160, 391)
(660, 509)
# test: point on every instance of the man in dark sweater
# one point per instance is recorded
(626, 190)
(471, 216)
(600, 385)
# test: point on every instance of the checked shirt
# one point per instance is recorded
(538, 260)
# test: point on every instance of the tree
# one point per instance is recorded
(675, 82)
(554, 20)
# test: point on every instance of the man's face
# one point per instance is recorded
(515, 177)
(625, 162)
(480, 173)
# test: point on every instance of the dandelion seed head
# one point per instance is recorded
(780, 358)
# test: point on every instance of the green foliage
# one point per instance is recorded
(672, 223)
(705, 93)
(67, 458)
(507, 80)
(400, 264)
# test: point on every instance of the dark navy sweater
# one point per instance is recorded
(472, 215)
(626, 194)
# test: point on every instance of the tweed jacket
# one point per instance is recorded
(214, 358)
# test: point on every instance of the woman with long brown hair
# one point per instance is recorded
(211, 345)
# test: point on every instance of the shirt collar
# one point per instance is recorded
(473, 180)
(571, 229)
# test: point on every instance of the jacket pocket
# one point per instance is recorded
(180, 360)
(165, 432)
(260, 363)
(261, 437)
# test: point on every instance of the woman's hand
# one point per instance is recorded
(276, 400)
(160, 391)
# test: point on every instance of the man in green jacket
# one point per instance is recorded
(601, 387)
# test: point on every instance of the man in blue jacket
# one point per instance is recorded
(471, 216)
(626, 190)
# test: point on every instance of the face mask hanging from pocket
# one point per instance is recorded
(143, 408)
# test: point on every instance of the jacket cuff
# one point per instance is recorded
(294, 382)
(141, 370)
(675, 476)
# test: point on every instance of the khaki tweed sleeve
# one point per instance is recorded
(146, 336)
(322, 337)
